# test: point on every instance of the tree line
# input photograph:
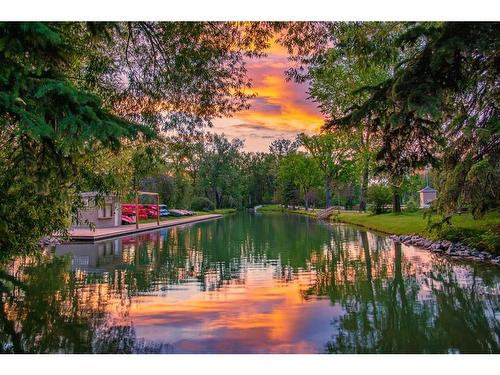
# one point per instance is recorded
(112, 107)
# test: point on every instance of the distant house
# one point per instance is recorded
(103, 213)
(427, 195)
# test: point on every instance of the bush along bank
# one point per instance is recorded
(448, 248)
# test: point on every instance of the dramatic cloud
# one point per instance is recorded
(280, 109)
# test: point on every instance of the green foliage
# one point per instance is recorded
(259, 178)
(379, 196)
(219, 171)
(426, 90)
(72, 95)
(335, 155)
(488, 240)
(282, 147)
(482, 234)
(411, 205)
(49, 130)
(447, 75)
(302, 171)
(202, 204)
(162, 184)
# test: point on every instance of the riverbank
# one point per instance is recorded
(278, 208)
(482, 235)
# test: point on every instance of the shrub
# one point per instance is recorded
(488, 240)
(378, 196)
(202, 204)
(411, 205)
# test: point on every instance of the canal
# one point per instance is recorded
(248, 283)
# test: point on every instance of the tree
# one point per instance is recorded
(334, 153)
(361, 56)
(219, 170)
(71, 91)
(48, 129)
(378, 196)
(342, 59)
(260, 177)
(172, 75)
(301, 170)
(439, 104)
(282, 147)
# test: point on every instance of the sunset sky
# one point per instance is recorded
(280, 110)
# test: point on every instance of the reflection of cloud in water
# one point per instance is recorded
(262, 283)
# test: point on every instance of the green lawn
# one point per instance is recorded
(405, 223)
(220, 211)
(483, 233)
(279, 208)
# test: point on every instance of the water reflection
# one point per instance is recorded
(248, 284)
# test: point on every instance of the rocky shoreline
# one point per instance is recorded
(448, 248)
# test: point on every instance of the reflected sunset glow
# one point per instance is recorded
(255, 284)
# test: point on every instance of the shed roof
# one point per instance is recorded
(428, 189)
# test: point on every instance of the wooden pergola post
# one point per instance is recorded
(136, 209)
(157, 205)
(157, 209)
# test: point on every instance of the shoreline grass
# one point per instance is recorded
(483, 234)
(220, 211)
(279, 208)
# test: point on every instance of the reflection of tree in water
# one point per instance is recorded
(392, 307)
(45, 309)
(220, 252)
(391, 304)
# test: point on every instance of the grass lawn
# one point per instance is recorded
(483, 233)
(405, 223)
(279, 208)
(222, 211)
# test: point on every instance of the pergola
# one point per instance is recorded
(137, 193)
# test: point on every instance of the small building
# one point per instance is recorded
(427, 195)
(102, 211)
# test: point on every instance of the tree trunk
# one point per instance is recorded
(328, 191)
(364, 188)
(306, 201)
(396, 201)
(218, 199)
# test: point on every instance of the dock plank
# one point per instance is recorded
(86, 234)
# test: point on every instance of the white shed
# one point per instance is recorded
(104, 213)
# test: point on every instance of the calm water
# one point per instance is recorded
(247, 283)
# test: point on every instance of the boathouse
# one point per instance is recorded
(101, 211)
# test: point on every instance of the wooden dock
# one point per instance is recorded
(86, 234)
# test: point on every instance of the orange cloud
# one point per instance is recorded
(281, 108)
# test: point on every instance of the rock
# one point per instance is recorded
(446, 244)
(454, 249)
(436, 247)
